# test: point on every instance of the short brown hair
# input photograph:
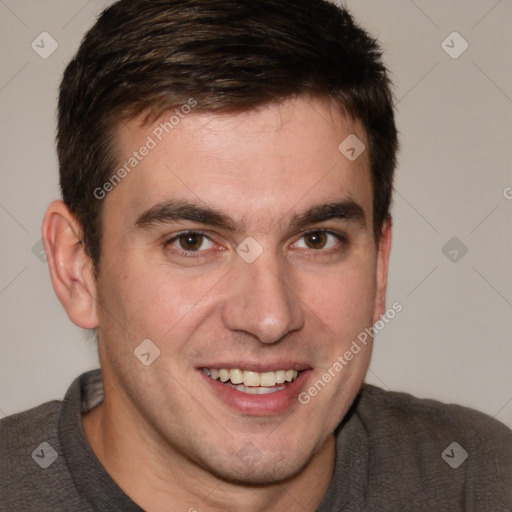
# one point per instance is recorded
(147, 57)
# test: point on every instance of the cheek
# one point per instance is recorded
(343, 300)
(150, 300)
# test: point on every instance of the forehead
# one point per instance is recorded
(258, 164)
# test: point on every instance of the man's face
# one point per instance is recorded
(240, 242)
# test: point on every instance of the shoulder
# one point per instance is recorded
(427, 417)
(19, 431)
(437, 451)
(32, 468)
(24, 435)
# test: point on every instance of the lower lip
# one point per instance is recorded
(259, 405)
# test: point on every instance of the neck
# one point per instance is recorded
(158, 477)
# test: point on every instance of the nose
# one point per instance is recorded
(261, 302)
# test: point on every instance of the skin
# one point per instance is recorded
(163, 433)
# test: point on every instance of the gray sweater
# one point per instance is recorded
(394, 453)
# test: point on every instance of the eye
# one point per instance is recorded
(318, 240)
(191, 241)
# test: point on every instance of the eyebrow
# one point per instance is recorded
(346, 210)
(172, 211)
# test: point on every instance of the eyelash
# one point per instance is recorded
(196, 254)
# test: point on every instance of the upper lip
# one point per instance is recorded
(255, 366)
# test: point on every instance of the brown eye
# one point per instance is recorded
(191, 241)
(320, 240)
(316, 239)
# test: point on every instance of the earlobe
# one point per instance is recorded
(384, 251)
(71, 269)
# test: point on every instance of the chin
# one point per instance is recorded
(261, 473)
(250, 467)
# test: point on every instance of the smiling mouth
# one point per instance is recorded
(252, 383)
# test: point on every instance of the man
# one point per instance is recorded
(226, 170)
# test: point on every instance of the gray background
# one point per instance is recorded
(452, 339)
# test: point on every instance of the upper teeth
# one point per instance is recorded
(247, 378)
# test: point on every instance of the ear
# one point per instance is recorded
(71, 269)
(384, 251)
